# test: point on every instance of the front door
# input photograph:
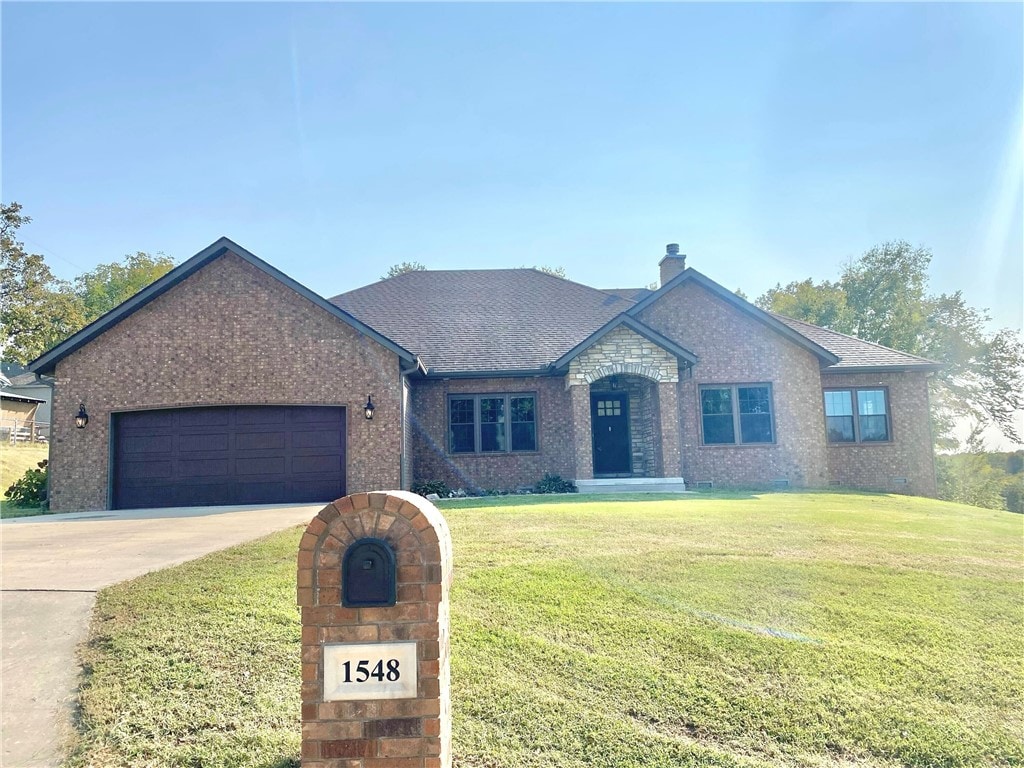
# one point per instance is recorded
(609, 424)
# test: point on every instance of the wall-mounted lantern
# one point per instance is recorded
(82, 418)
(368, 408)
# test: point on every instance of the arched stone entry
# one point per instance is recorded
(646, 376)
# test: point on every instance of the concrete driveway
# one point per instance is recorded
(53, 566)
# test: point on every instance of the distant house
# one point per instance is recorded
(236, 384)
(29, 385)
(18, 419)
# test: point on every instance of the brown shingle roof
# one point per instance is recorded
(854, 353)
(477, 320)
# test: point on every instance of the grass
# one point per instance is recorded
(793, 629)
(15, 460)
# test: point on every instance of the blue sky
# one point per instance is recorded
(773, 142)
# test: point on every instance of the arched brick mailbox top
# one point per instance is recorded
(412, 729)
(408, 522)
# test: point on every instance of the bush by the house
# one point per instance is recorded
(553, 484)
(434, 486)
(30, 490)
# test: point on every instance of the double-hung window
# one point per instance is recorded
(737, 414)
(492, 423)
(857, 415)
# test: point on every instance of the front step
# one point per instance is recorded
(633, 485)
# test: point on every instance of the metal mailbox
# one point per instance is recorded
(368, 574)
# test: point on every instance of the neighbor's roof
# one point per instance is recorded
(474, 321)
(19, 398)
(856, 354)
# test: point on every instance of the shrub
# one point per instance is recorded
(30, 490)
(553, 484)
(434, 486)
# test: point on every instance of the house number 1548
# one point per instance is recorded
(363, 672)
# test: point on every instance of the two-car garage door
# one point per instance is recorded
(228, 455)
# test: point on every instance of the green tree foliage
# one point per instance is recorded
(822, 303)
(883, 297)
(400, 269)
(556, 271)
(106, 286)
(969, 477)
(36, 309)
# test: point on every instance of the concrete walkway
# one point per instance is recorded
(53, 566)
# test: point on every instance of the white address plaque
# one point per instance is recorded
(370, 671)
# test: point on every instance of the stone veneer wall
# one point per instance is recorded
(622, 351)
(908, 455)
(734, 348)
(230, 334)
(491, 471)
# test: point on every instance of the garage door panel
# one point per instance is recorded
(316, 439)
(252, 441)
(329, 465)
(140, 444)
(269, 465)
(204, 468)
(228, 455)
(202, 418)
(203, 442)
(261, 415)
(151, 470)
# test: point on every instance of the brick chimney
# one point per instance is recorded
(672, 263)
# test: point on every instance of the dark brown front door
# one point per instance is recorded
(228, 455)
(609, 424)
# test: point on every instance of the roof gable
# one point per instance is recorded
(738, 303)
(47, 362)
(624, 320)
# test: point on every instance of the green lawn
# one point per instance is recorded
(15, 460)
(729, 630)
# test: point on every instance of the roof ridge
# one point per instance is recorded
(854, 338)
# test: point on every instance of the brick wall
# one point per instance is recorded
(734, 349)
(491, 471)
(909, 454)
(230, 334)
(383, 733)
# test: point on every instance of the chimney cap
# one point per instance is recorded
(672, 249)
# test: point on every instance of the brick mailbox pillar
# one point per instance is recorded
(374, 570)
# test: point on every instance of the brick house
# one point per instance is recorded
(226, 381)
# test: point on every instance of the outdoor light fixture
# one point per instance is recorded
(368, 408)
(82, 418)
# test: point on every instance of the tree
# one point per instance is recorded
(400, 269)
(969, 477)
(822, 303)
(106, 286)
(883, 297)
(36, 309)
(554, 271)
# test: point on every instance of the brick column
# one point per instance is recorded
(668, 411)
(382, 729)
(579, 395)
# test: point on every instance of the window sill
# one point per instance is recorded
(716, 446)
(494, 455)
(863, 444)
